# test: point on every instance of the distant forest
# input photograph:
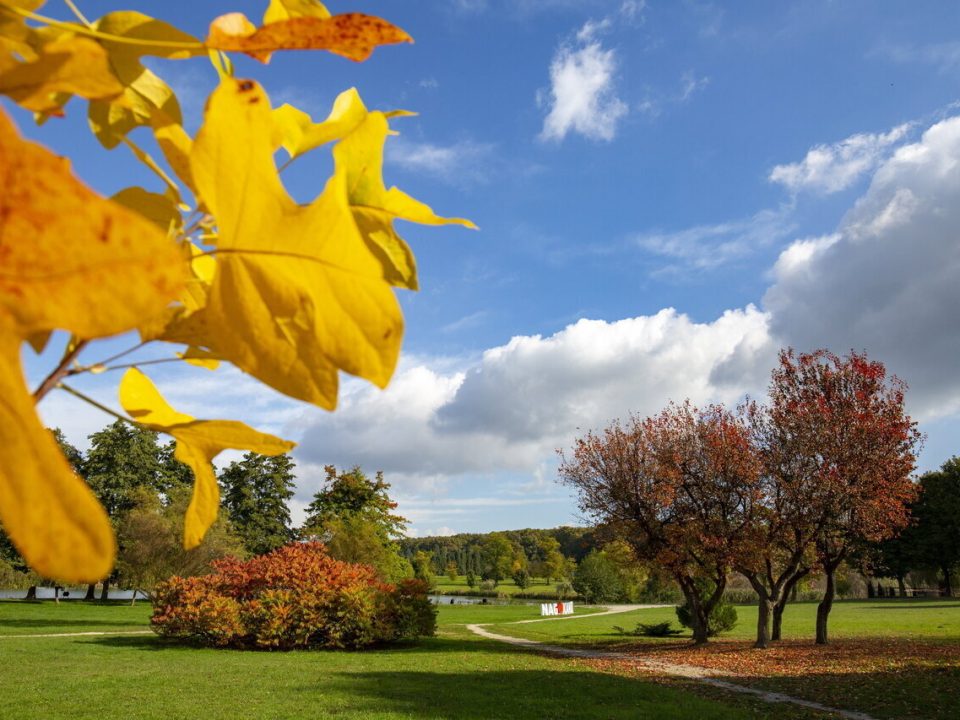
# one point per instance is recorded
(466, 549)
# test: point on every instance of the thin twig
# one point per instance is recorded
(80, 30)
(76, 11)
(59, 372)
(99, 406)
(157, 361)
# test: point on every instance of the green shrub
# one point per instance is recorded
(723, 618)
(294, 597)
(663, 629)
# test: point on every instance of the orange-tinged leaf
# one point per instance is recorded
(69, 258)
(73, 65)
(198, 442)
(352, 35)
(47, 511)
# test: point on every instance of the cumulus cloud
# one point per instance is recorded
(514, 406)
(887, 281)
(582, 96)
(831, 168)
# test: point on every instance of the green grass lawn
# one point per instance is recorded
(937, 620)
(890, 658)
(455, 675)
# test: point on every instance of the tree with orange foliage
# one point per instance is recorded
(843, 452)
(680, 487)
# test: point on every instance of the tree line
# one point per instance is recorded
(145, 491)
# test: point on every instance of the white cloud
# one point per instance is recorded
(704, 247)
(831, 168)
(582, 96)
(511, 409)
(633, 10)
(887, 281)
(462, 162)
(691, 84)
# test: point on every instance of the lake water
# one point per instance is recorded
(47, 593)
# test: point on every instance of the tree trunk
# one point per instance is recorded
(902, 585)
(104, 590)
(763, 621)
(947, 584)
(789, 593)
(91, 592)
(823, 609)
(31, 593)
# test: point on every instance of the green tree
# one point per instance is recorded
(151, 546)
(632, 573)
(122, 459)
(422, 569)
(451, 570)
(597, 578)
(354, 516)
(256, 491)
(498, 558)
(353, 493)
(936, 522)
(521, 578)
(554, 563)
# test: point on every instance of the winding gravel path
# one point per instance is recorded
(706, 676)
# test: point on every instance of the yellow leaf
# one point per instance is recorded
(299, 134)
(70, 259)
(297, 294)
(69, 64)
(48, 512)
(198, 442)
(283, 9)
(200, 358)
(144, 92)
(158, 209)
(174, 143)
(352, 35)
(359, 157)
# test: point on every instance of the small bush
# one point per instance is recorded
(722, 619)
(294, 597)
(663, 629)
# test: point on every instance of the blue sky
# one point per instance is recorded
(667, 192)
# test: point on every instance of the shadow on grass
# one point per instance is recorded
(89, 624)
(425, 646)
(562, 693)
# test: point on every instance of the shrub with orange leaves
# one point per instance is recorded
(294, 597)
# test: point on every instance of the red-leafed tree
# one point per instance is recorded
(840, 451)
(680, 488)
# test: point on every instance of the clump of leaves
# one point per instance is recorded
(663, 629)
(214, 263)
(723, 618)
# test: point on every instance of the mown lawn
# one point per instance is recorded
(444, 585)
(455, 675)
(890, 658)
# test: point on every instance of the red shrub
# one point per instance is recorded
(295, 596)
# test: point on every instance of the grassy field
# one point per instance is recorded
(890, 658)
(443, 585)
(455, 675)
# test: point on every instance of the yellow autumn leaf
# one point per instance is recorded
(70, 259)
(359, 157)
(352, 35)
(198, 442)
(158, 209)
(283, 9)
(297, 133)
(68, 65)
(144, 92)
(49, 513)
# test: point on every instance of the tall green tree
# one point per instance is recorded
(255, 493)
(355, 517)
(498, 557)
(936, 522)
(353, 494)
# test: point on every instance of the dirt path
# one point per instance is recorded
(82, 634)
(706, 676)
